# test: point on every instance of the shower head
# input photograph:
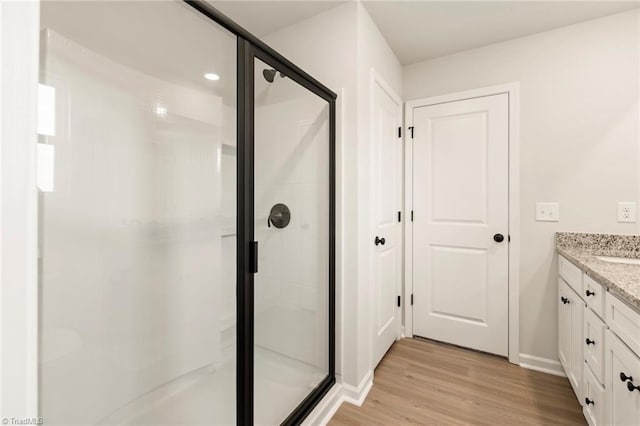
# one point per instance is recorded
(269, 74)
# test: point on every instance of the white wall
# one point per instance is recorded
(578, 140)
(339, 47)
(19, 22)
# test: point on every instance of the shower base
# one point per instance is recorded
(207, 396)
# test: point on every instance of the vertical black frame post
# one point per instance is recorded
(250, 47)
(244, 235)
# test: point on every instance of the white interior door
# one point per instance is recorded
(460, 228)
(386, 201)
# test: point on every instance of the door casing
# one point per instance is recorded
(512, 90)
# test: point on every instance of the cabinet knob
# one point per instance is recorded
(590, 342)
(589, 401)
(624, 377)
(379, 240)
(498, 238)
(590, 293)
(564, 300)
(632, 387)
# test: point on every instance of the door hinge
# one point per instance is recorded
(411, 299)
(411, 128)
(253, 257)
(411, 215)
(399, 298)
(399, 132)
(399, 216)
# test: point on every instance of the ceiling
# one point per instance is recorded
(153, 48)
(264, 17)
(420, 30)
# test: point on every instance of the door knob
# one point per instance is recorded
(498, 238)
(379, 240)
(624, 377)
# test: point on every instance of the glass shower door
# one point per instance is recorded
(292, 226)
(137, 216)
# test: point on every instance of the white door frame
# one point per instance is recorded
(376, 79)
(512, 90)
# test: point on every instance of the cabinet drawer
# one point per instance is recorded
(594, 343)
(594, 295)
(623, 375)
(624, 321)
(571, 274)
(594, 399)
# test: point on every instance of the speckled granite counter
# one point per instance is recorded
(621, 279)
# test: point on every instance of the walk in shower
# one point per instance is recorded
(186, 215)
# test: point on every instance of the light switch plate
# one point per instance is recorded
(626, 211)
(547, 212)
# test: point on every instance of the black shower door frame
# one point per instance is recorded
(250, 48)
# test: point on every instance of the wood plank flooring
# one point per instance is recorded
(429, 383)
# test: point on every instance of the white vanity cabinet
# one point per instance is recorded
(599, 348)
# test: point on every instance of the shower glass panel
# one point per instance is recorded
(292, 227)
(137, 158)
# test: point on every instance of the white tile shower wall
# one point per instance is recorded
(131, 247)
(292, 159)
(578, 140)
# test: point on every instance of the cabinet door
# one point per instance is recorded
(564, 326)
(623, 375)
(570, 341)
(594, 398)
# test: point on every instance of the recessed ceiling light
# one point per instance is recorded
(211, 76)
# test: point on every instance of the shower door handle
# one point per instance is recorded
(253, 257)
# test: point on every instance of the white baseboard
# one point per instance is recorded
(545, 365)
(340, 393)
(357, 394)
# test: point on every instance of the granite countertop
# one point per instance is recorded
(621, 279)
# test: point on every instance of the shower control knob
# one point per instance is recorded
(379, 241)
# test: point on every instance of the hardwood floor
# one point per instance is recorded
(428, 383)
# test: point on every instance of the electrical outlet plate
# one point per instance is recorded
(547, 212)
(627, 211)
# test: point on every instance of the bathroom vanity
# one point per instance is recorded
(599, 324)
